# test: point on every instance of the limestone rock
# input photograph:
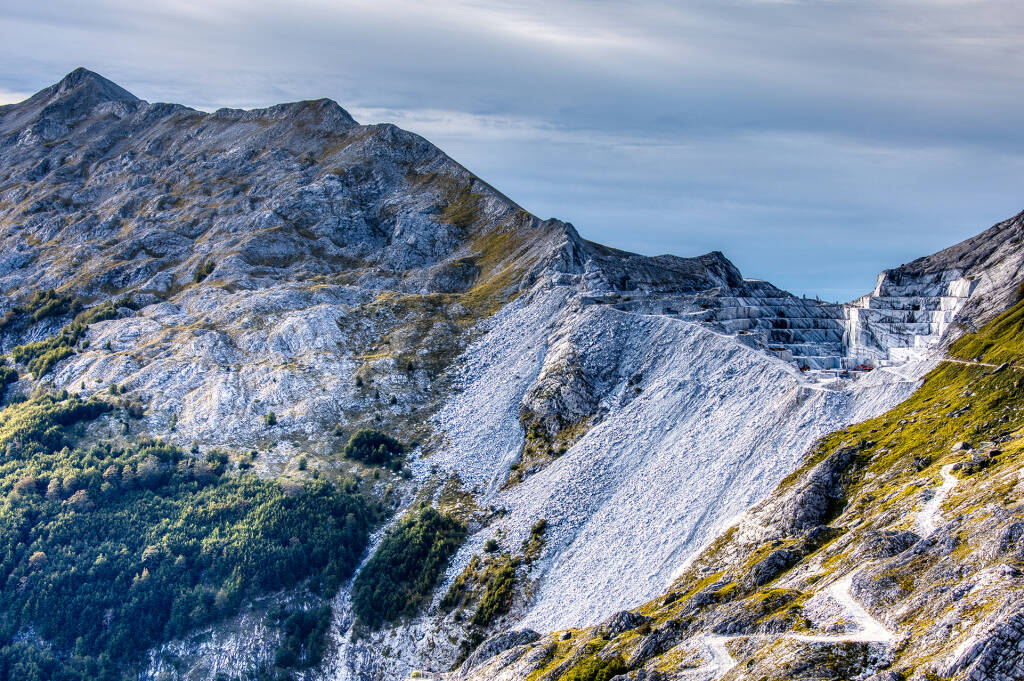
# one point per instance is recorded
(497, 644)
(624, 620)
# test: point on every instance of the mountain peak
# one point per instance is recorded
(68, 100)
(82, 79)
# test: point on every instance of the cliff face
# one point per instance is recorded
(930, 301)
(290, 262)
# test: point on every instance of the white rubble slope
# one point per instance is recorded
(711, 427)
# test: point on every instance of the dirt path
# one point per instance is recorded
(869, 629)
(974, 363)
(926, 517)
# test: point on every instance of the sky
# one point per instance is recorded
(814, 142)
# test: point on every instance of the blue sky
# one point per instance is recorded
(815, 142)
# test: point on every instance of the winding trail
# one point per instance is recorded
(975, 363)
(926, 517)
(868, 628)
(721, 660)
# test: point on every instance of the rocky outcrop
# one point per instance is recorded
(498, 644)
(624, 620)
(906, 316)
(924, 304)
(994, 655)
(771, 566)
(809, 503)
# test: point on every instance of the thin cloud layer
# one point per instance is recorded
(814, 142)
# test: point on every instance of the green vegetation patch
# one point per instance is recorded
(41, 356)
(595, 669)
(203, 271)
(42, 305)
(102, 312)
(46, 304)
(108, 550)
(305, 639)
(499, 582)
(404, 570)
(1001, 340)
(534, 544)
(375, 448)
(40, 425)
(541, 447)
(7, 377)
(462, 208)
(490, 582)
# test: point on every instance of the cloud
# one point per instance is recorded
(8, 97)
(814, 141)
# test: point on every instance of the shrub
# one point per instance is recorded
(27, 485)
(41, 356)
(270, 418)
(500, 580)
(406, 566)
(39, 424)
(44, 304)
(203, 271)
(7, 377)
(375, 448)
(99, 313)
(533, 545)
(305, 634)
(42, 364)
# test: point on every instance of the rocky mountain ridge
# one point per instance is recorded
(289, 262)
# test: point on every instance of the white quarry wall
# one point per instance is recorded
(901, 322)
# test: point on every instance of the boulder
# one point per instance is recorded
(771, 566)
(888, 543)
(498, 644)
(624, 620)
